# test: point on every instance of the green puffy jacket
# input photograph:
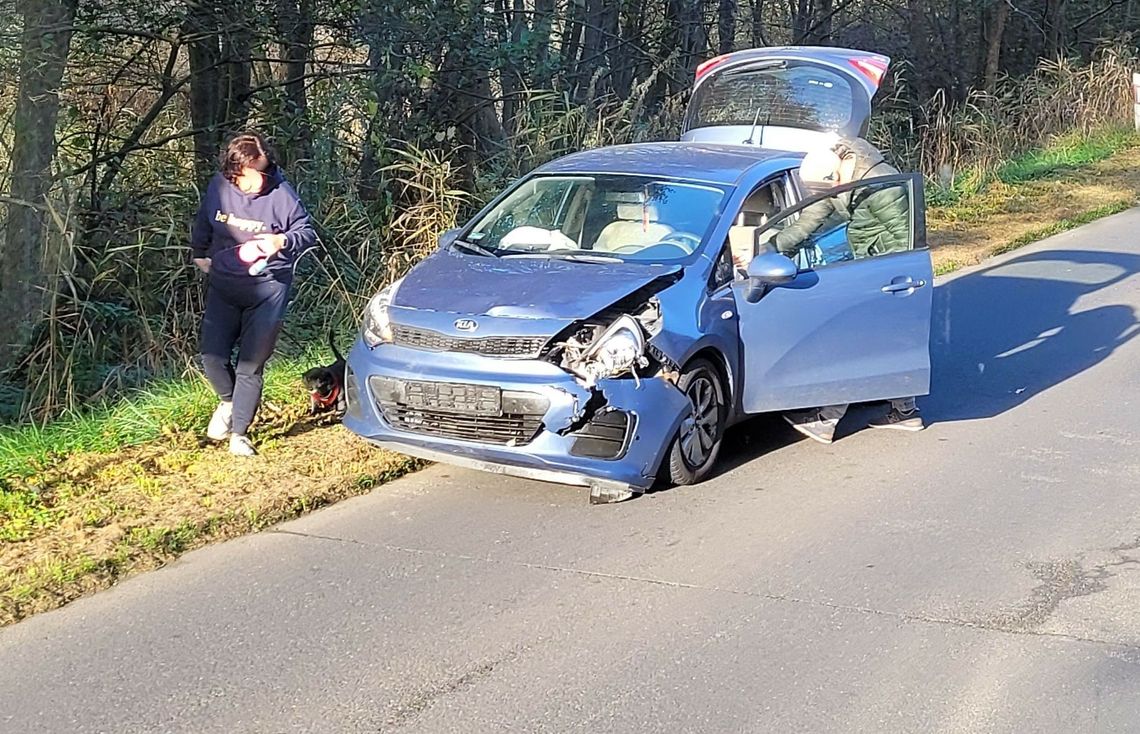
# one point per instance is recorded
(878, 220)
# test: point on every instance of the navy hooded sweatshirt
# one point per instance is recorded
(228, 217)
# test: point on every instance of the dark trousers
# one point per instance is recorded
(250, 312)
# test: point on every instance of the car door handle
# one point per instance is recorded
(901, 285)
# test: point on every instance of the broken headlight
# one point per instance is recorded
(377, 327)
(618, 349)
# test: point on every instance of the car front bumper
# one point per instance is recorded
(652, 409)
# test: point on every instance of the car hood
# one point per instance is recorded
(541, 289)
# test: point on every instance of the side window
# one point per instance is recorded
(860, 220)
(762, 205)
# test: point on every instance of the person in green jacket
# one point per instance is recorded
(877, 223)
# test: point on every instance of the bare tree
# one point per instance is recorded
(726, 26)
(995, 32)
(296, 27)
(46, 40)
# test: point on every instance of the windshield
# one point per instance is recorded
(636, 218)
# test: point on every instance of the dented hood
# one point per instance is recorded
(521, 288)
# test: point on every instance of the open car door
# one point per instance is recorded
(786, 98)
(853, 325)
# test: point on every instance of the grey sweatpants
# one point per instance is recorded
(836, 412)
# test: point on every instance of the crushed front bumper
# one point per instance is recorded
(611, 439)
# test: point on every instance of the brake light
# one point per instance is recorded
(871, 67)
(706, 66)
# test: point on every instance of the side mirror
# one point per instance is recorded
(767, 271)
(448, 237)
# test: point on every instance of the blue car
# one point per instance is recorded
(604, 320)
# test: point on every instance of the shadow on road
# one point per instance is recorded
(999, 336)
(1011, 331)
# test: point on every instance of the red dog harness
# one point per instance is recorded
(327, 401)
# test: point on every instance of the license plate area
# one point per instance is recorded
(452, 397)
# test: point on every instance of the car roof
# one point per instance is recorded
(704, 162)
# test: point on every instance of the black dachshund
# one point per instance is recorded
(326, 384)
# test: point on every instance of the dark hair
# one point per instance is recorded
(245, 150)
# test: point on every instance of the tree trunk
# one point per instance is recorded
(689, 36)
(544, 11)
(819, 32)
(511, 71)
(233, 95)
(572, 41)
(296, 32)
(593, 49)
(726, 26)
(801, 19)
(45, 42)
(995, 31)
(758, 38)
(201, 29)
(628, 60)
(919, 42)
(1056, 27)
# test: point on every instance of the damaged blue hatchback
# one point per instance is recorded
(605, 319)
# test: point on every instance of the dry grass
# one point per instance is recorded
(135, 509)
(1006, 214)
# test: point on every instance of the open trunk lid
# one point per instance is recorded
(787, 98)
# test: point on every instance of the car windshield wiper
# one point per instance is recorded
(475, 248)
(578, 257)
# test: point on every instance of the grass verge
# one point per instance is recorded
(126, 487)
(1038, 195)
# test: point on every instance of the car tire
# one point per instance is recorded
(695, 448)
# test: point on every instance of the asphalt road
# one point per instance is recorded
(982, 576)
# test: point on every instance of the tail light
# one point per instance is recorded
(706, 66)
(871, 67)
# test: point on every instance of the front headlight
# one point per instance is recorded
(617, 350)
(377, 327)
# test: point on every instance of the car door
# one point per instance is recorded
(852, 329)
(788, 98)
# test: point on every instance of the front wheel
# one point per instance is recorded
(697, 444)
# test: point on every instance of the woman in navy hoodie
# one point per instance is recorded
(249, 231)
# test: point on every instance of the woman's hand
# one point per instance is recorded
(203, 264)
(270, 244)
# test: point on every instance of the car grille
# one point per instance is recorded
(509, 429)
(476, 413)
(511, 347)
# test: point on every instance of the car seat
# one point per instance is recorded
(636, 225)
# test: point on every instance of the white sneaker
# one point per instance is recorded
(241, 446)
(220, 421)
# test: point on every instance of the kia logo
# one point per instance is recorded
(467, 324)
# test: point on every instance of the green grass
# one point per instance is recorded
(171, 404)
(966, 184)
(947, 267)
(1066, 154)
(1064, 225)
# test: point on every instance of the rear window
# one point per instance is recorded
(808, 97)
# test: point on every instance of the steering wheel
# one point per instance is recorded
(685, 240)
(681, 240)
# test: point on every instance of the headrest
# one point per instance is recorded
(637, 212)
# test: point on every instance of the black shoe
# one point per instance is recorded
(898, 420)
